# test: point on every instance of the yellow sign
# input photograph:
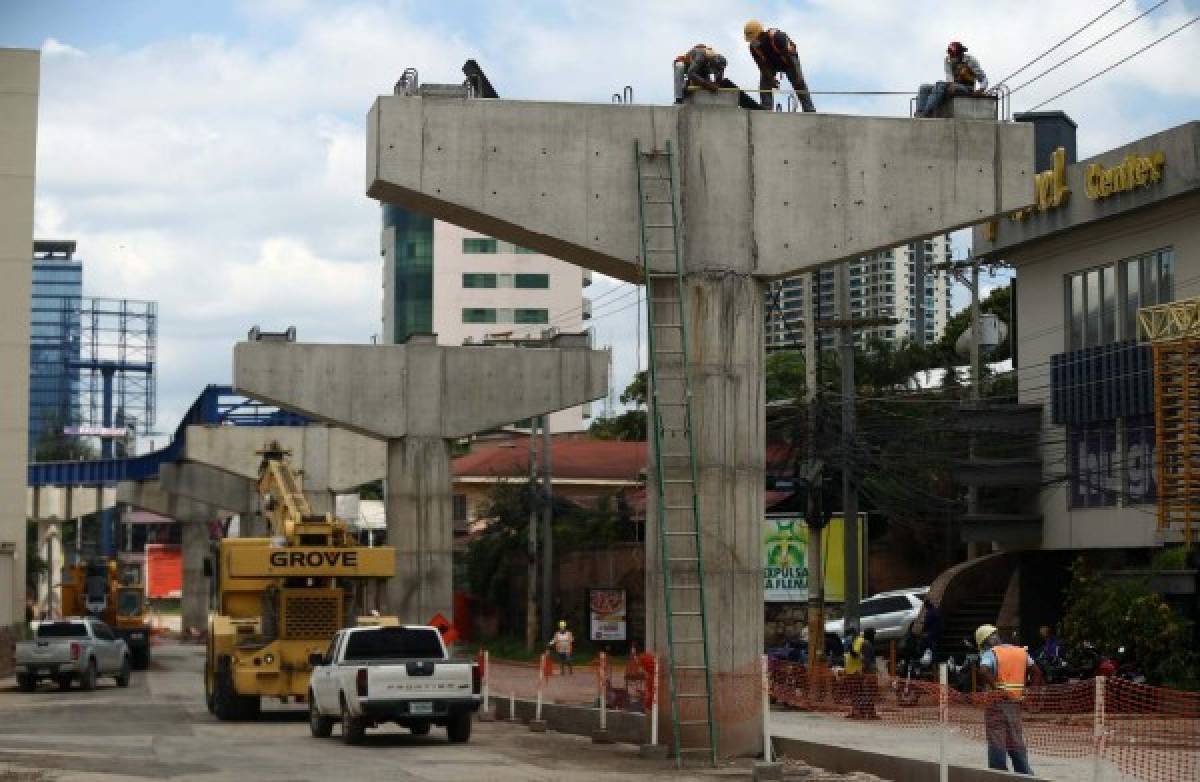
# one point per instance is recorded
(1050, 187)
(316, 561)
(1133, 172)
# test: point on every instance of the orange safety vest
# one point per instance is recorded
(1011, 663)
(777, 58)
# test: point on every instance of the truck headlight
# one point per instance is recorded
(268, 658)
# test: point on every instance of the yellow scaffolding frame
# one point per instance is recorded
(1174, 331)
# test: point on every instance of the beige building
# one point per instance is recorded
(19, 73)
(1109, 235)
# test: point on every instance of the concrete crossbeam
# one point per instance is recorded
(209, 485)
(765, 193)
(419, 389)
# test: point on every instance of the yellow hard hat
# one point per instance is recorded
(983, 633)
(562, 624)
(752, 30)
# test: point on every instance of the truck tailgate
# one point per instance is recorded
(43, 652)
(419, 679)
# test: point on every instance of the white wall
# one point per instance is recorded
(19, 74)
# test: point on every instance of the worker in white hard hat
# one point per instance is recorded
(775, 53)
(563, 644)
(1005, 669)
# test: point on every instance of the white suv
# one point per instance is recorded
(890, 613)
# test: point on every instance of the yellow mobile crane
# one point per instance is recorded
(281, 598)
(98, 588)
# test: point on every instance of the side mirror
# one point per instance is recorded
(315, 659)
(208, 568)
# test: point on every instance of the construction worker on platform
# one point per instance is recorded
(964, 76)
(775, 53)
(1005, 668)
(563, 644)
(700, 66)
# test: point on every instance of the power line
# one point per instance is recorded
(1122, 61)
(1092, 45)
(1109, 10)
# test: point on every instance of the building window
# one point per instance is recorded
(1093, 463)
(479, 280)
(1140, 479)
(460, 507)
(533, 280)
(531, 316)
(480, 246)
(1102, 303)
(478, 315)
(524, 251)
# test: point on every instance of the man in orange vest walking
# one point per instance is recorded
(1004, 668)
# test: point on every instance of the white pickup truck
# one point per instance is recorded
(401, 674)
(67, 650)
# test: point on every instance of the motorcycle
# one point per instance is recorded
(909, 670)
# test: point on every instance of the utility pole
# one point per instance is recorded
(547, 534)
(918, 277)
(849, 491)
(814, 515)
(976, 370)
(531, 603)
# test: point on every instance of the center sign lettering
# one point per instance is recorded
(314, 559)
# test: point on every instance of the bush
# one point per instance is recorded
(1114, 613)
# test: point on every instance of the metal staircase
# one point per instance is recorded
(689, 673)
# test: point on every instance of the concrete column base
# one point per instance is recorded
(654, 751)
(600, 736)
(194, 601)
(537, 726)
(767, 771)
(420, 529)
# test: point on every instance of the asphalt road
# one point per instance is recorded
(158, 728)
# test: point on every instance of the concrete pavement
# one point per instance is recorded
(158, 728)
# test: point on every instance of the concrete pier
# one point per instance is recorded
(194, 602)
(417, 397)
(761, 195)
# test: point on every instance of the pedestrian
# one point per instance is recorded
(1005, 668)
(563, 644)
(964, 76)
(775, 53)
(700, 66)
(1051, 649)
(864, 682)
(931, 628)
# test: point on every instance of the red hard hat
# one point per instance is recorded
(956, 47)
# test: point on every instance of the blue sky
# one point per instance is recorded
(209, 154)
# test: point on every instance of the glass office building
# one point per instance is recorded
(54, 339)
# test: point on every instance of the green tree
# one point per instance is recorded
(785, 375)
(630, 424)
(995, 303)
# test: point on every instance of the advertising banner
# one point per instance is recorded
(786, 558)
(606, 610)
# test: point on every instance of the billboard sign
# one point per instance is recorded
(606, 613)
(786, 558)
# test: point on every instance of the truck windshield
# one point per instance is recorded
(62, 630)
(394, 643)
(129, 602)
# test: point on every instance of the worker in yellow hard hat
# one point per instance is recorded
(563, 644)
(775, 53)
(1005, 668)
(700, 66)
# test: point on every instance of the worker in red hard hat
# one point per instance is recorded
(964, 76)
(775, 53)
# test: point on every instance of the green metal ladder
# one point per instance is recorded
(675, 476)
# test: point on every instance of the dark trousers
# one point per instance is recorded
(1005, 739)
(766, 82)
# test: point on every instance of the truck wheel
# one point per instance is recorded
(225, 706)
(208, 687)
(26, 682)
(87, 680)
(458, 729)
(352, 727)
(141, 658)
(320, 727)
(123, 677)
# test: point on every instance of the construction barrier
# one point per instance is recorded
(1146, 732)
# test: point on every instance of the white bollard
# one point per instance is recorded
(512, 706)
(537, 711)
(654, 707)
(766, 710)
(487, 677)
(603, 691)
(943, 721)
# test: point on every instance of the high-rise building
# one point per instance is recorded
(467, 287)
(882, 285)
(54, 334)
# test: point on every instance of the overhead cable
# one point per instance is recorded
(1109, 10)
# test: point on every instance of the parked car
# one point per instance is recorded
(401, 674)
(68, 650)
(890, 613)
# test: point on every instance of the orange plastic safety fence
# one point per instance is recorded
(1150, 732)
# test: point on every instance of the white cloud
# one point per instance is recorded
(223, 176)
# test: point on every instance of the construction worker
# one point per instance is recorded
(563, 644)
(964, 76)
(775, 53)
(1004, 668)
(700, 66)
